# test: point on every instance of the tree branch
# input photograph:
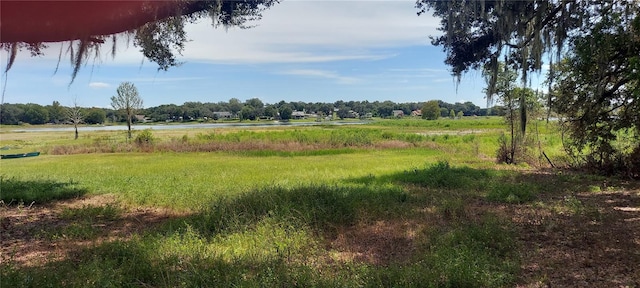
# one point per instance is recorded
(531, 36)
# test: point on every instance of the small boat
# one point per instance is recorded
(21, 155)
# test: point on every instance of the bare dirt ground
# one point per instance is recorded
(31, 234)
(598, 248)
(586, 239)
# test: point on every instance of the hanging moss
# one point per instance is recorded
(158, 40)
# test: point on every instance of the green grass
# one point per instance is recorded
(273, 237)
(444, 123)
(185, 181)
(15, 190)
(513, 193)
(267, 217)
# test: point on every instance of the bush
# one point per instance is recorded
(145, 138)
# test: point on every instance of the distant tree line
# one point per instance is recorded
(252, 109)
(11, 114)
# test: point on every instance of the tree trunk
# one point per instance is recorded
(512, 152)
(129, 127)
(76, 126)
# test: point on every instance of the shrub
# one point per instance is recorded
(145, 138)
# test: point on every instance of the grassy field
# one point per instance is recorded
(393, 203)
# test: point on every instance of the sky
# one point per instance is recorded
(310, 51)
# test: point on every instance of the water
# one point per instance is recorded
(186, 126)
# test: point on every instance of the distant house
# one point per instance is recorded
(141, 118)
(222, 115)
(416, 113)
(352, 114)
(310, 115)
(298, 115)
(398, 113)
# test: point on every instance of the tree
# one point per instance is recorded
(597, 91)
(75, 116)
(128, 100)
(157, 27)
(257, 105)
(325, 108)
(270, 111)
(95, 116)
(285, 112)
(444, 112)
(460, 115)
(56, 112)
(518, 103)
(248, 113)
(385, 109)
(431, 110)
(343, 112)
(35, 114)
(600, 38)
(10, 114)
(235, 105)
(452, 114)
(478, 33)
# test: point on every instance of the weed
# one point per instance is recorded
(512, 193)
(469, 138)
(594, 188)
(442, 175)
(475, 255)
(144, 138)
(453, 208)
(92, 213)
(80, 230)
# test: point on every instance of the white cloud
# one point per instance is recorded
(165, 79)
(439, 80)
(408, 75)
(99, 85)
(246, 55)
(321, 74)
(314, 31)
(293, 32)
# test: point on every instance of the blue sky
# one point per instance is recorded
(311, 51)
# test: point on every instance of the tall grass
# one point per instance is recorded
(444, 124)
(285, 140)
(265, 208)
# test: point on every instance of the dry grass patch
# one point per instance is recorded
(37, 234)
(383, 242)
(585, 240)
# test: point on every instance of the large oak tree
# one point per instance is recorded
(593, 45)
